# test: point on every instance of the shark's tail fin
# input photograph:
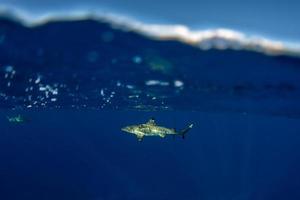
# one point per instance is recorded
(184, 131)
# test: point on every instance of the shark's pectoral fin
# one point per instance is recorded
(140, 137)
(162, 135)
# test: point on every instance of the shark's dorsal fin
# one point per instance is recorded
(151, 122)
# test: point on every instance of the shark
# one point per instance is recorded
(17, 119)
(150, 128)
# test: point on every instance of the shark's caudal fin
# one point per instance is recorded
(8, 118)
(184, 131)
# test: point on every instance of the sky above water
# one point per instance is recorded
(276, 19)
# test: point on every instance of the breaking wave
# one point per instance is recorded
(219, 38)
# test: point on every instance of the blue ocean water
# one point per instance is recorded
(78, 82)
(64, 154)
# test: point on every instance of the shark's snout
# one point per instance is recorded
(126, 129)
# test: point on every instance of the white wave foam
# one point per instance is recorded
(220, 38)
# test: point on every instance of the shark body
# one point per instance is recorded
(152, 129)
(16, 119)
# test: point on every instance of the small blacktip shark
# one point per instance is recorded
(17, 119)
(152, 129)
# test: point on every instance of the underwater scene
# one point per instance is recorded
(96, 105)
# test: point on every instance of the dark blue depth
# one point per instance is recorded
(84, 155)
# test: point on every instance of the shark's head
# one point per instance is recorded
(129, 129)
